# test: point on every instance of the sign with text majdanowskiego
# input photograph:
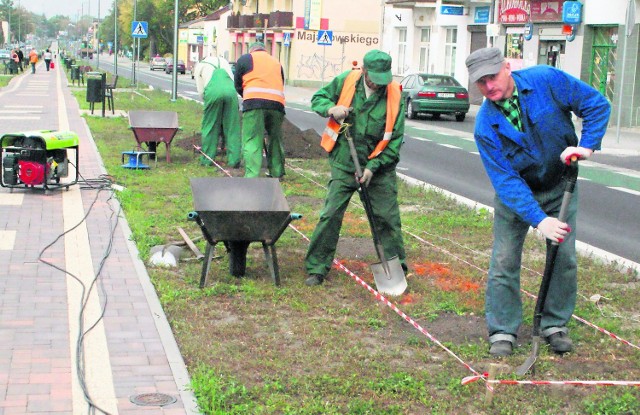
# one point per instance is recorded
(571, 12)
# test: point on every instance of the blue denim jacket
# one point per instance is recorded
(520, 163)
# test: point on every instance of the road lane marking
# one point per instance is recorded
(624, 189)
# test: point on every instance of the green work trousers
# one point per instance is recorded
(383, 193)
(221, 117)
(254, 124)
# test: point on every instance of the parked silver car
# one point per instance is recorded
(158, 62)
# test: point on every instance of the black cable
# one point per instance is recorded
(102, 183)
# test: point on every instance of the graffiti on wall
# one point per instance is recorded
(315, 66)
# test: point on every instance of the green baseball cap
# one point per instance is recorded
(378, 66)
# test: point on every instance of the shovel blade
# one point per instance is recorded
(392, 282)
(531, 360)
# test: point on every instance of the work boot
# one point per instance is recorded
(501, 348)
(314, 279)
(560, 342)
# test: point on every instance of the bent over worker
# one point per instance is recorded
(259, 78)
(370, 101)
(221, 117)
(525, 135)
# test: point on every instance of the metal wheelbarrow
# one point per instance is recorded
(238, 211)
(153, 127)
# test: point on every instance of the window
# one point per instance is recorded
(402, 50)
(450, 51)
(425, 40)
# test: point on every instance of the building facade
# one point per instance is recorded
(601, 49)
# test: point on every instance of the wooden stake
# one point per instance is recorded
(190, 244)
(488, 397)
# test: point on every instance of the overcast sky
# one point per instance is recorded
(71, 8)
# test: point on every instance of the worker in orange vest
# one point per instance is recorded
(259, 79)
(371, 102)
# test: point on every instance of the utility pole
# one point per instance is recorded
(115, 40)
(174, 72)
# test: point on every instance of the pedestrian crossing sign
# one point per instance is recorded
(325, 37)
(286, 41)
(139, 29)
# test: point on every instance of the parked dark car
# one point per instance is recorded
(435, 95)
(182, 68)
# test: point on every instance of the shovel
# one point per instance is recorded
(388, 273)
(571, 175)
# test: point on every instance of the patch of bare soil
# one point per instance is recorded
(297, 143)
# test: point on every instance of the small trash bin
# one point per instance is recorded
(95, 89)
(75, 74)
(13, 67)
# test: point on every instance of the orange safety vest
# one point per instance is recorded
(265, 79)
(394, 94)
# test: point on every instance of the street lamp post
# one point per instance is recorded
(115, 40)
(97, 37)
(174, 72)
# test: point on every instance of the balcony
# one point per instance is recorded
(281, 19)
(275, 19)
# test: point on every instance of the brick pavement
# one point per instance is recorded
(131, 349)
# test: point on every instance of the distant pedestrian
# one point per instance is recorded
(47, 59)
(259, 78)
(33, 59)
(20, 59)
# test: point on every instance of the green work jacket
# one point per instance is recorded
(368, 120)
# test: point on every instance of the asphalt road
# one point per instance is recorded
(434, 153)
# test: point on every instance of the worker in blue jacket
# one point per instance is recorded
(525, 135)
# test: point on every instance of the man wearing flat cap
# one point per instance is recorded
(259, 79)
(369, 101)
(525, 136)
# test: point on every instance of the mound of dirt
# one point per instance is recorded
(297, 143)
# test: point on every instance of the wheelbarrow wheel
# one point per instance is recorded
(237, 257)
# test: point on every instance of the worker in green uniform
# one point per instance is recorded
(370, 101)
(221, 116)
(259, 78)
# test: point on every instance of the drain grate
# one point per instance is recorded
(153, 399)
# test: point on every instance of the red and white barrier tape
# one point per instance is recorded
(212, 160)
(484, 376)
(600, 329)
(395, 308)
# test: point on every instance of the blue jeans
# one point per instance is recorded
(503, 304)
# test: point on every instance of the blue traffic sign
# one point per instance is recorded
(286, 41)
(139, 29)
(325, 37)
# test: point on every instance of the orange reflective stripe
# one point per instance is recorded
(330, 133)
(394, 94)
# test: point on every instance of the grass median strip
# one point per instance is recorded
(252, 347)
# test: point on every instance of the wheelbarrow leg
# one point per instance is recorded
(272, 262)
(206, 265)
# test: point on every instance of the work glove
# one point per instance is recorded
(367, 175)
(553, 229)
(580, 152)
(339, 112)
